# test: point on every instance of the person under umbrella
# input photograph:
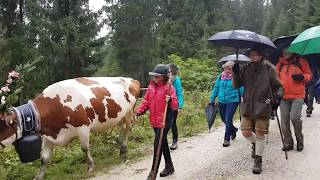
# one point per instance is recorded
(260, 81)
(294, 74)
(311, 85)
(228, 99)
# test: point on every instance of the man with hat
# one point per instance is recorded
(160, 93)
(261, 84)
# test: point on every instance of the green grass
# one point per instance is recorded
(69, 161)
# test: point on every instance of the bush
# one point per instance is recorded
(196, 74)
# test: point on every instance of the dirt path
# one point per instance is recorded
(203, 157)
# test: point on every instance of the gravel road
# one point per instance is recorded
(203, 158)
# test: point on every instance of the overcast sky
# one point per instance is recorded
(96, 5)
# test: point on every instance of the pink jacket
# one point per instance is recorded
(155, 100)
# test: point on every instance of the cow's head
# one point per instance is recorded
(8, 129)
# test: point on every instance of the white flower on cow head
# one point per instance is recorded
(3, 100)
(13, 74)
(5, 89)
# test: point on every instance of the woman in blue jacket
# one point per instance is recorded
(228, 99)
(179, 91)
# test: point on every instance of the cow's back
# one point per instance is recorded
(97, 102)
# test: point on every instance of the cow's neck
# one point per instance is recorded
(27, 118)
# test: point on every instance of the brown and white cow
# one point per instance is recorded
(74, 108)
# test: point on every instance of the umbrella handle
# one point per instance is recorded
(237, 54)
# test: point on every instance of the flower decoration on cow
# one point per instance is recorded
(9, 93)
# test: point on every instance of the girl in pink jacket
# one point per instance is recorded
(160, 92)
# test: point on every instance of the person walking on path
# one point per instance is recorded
(294, 73)
(174, 69)
(228, 99)
(260, 81)
(311, 89)
(159, 93)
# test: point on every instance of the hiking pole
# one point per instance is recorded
(155, 165)
(281, 134)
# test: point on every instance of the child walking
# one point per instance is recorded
(176, 81)
(159, 93)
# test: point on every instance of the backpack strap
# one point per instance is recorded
(295, 62)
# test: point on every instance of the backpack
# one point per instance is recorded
(295, 62)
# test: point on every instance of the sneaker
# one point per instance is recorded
(288, 148)
(234, 134)
(300, 147)
(174, 145)
(226, 143)
(168, 170)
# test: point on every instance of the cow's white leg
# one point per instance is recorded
(84, 136)
(46, 153)
(126, 129)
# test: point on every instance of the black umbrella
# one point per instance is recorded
(243, 39)
(281, 43)
(241, 58)
(284, 41)
(211, 113)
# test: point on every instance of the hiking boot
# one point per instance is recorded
(253, 152)
(168, 170)
(226, 143)
(174, 145)
(287, 148)
(257, 166)
(300, 147)
(309, 112)
(234, 134)
(150, 175)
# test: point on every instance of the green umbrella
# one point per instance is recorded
(308, 42)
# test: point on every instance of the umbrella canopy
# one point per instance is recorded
(242, 39)
(281, 43)
(241, 58)
(308, 42)
(284, 41)
(211, 113)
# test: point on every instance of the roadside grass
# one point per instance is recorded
(69, 162)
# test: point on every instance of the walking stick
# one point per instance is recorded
(281, 134)
(155, 165)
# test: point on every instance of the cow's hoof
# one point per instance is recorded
(90, 169)
(123, 150)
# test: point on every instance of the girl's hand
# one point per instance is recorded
(168, 98)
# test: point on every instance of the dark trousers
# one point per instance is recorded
(227, 111)
(174, 125)
(164, 148)
(311, 95)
